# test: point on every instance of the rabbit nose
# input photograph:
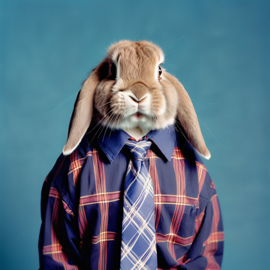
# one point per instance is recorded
(136, 99)
(138, 91)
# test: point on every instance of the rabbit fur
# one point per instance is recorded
(130, 90)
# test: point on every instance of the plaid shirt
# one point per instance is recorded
(82, 205)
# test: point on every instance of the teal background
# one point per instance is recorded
(219, 50)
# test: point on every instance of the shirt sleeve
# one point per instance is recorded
(58, 240)
(207, 249)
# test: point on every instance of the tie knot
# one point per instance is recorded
(138, 149)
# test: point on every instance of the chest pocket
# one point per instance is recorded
(179, 220)
(187, 225)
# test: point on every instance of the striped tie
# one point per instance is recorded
(138, 247)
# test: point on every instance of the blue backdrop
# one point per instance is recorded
(219, 50)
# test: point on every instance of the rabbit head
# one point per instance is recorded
(131, 91)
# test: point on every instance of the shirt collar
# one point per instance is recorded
(112, 141)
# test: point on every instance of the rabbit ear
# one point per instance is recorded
(83, 111)
(187, 116)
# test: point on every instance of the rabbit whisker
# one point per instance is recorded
(89, 131)
(101, 130)
(107, 124)
(100, 125)
(119, 118)
(95, 117)
(115, 117)
(104, 105)
(63, 102)
(166, 50)
(98, 115)
(178, 125)
(213, 134)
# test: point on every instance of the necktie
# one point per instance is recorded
(138, 246)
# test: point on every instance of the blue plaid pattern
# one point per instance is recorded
(138, 247)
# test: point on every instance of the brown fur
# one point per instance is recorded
(137, 84)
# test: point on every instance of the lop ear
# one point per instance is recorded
(83, 110)
(187, 116)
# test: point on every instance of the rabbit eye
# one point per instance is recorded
(159, 72)
(113, 71)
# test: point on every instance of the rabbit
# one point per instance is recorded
(130, 95)
(130, 90)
